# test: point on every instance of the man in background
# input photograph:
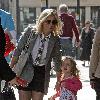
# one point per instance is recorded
(69, 28)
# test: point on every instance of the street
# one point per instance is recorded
(86, 93)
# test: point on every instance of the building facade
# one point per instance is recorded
(29, 10)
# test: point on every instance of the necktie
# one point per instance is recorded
(39, 54)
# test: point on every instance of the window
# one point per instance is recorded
(27, 16)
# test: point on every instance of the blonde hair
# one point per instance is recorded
(87, 22)
(63, 8)
(74, 70)
(44, 15)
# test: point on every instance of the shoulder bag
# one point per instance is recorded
(19, 66)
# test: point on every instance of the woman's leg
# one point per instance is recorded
(25, 95)
(37, 95)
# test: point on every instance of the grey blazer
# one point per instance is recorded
(53, 52)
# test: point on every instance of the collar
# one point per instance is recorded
(46, 37)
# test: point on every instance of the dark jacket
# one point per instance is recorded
(69, 26)
(86, 43)
(5, 71)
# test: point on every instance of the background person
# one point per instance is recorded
(69, 28)
(87, 36)
(48, 29)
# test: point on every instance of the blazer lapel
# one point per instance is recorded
(50, 47)
(32, 42)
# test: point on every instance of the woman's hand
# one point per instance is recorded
(22, 82)
(17, 81)
(13, 82)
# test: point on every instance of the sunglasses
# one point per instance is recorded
(54, 22)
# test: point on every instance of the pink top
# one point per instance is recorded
(72, 83)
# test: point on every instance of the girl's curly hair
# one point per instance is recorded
(74, 70)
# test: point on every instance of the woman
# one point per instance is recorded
(48, 26)
(86, 42)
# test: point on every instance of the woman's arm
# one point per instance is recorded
(20, 46)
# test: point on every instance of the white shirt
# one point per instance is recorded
(36, 47)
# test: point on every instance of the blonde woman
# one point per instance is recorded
(48, 26)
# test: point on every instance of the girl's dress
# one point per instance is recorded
(69, 88)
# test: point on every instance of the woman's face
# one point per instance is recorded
(66, 66)
(49, 25)
(87, 25)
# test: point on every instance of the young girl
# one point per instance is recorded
(70, 82)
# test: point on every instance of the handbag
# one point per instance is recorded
(19, 66)
(9, 45)
(7, 93)
(21, 63)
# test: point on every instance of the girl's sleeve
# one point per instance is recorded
(73, 84)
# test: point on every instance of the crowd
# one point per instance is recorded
(27, 66)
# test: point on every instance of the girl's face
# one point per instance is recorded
(49, 25)
(66, 66)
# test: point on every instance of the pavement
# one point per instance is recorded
(86, 93)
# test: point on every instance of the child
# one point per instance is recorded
(70, 82)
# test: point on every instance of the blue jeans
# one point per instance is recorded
(66, 47)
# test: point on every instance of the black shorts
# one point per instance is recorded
(37, 83)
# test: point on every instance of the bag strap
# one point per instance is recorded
(28, 41)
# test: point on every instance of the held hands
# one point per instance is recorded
(13, 82)
(18, 82)
(21, 82)
(57, 86)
